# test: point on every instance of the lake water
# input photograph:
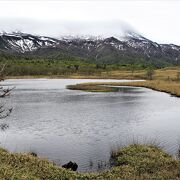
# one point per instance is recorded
(64, 125)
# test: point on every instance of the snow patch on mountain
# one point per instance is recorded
(130, 43)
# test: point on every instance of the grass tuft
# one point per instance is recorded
(135, 161)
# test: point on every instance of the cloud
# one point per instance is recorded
(156, 20)
(65, 28)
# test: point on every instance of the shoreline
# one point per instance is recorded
(67, 77)
(136, 161)
(172, 88)
(98, 87)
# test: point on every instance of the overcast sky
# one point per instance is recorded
(156, 20)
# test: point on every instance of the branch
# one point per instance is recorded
(5, 113)
(5, 92)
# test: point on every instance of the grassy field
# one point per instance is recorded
(88, 71)
(171, 87)
(164, 80)
(131, 162)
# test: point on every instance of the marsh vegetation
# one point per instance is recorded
(164, 80)
(131, 162)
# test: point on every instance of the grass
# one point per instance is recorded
(171, 87)
(131, 162)
(92, 87)
(67, 69)
(164, 80)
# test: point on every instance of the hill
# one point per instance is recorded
(131, 48)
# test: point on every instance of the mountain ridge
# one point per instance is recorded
(109, 50)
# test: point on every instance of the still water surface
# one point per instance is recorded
(84, 127)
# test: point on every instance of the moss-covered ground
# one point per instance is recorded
(131, 162)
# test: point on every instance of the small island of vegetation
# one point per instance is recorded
(164, 80)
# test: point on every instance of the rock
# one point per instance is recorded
(70, 165)
(33, 154)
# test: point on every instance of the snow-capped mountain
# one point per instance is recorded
(21, 42)
(106, 49)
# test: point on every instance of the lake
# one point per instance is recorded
(64, 125)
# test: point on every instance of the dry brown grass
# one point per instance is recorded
(164, 80)
(171, 87)
(160, 74)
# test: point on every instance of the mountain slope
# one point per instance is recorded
(103, 50)
(20, 42)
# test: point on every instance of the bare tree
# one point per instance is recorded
(4, 112)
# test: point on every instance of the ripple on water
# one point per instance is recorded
(84, 127)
